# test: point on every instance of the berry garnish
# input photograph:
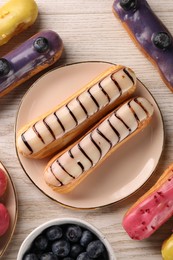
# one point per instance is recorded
(95, 249)
(61, 248)
(4, 67)
(83, 256)
(128, 5)
(74, 233)
(41, 243)
(76, 249)
(162, 40)
(48, 256)
(30, 257)
(41, 44)
(54, 233)
(86, 238)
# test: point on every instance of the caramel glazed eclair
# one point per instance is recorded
(56, 129)
(65, 171)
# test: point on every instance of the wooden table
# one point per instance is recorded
(90, 32)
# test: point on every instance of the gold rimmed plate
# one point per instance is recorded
(125, 171)
(9, 199)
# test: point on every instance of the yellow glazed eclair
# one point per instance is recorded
(67, 169)
(56, 129)
(15, 17)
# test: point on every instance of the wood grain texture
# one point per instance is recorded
(90, 32)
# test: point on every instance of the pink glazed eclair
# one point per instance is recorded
(152, 210)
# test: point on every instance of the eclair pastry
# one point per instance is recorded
(67, 169)
(152, 210)
(15, 17)
(148, 33)
(35, 54)
(53, 131)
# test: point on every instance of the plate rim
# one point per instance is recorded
(16, 210)
(99, 206)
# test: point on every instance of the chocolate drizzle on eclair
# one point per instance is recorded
(26, 143)
(82, 106)
(50, 130)
(106, 135)
(75, 112)
(38, 134)
(104, 92)
(59, 121)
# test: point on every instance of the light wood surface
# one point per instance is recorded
(90, 32)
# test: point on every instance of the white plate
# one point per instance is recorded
(123, 172)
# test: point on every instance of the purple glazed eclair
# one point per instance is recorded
(149, 34)
(32, 56)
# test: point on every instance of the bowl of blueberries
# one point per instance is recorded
(66, 239)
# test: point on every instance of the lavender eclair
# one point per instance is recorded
(29, 58)
(67, 169)
(148, 33)
(56, 129)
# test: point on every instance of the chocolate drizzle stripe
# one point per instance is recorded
(26, 143)
(55, 176)
(97, 146)
(117, 85)
(81, 149)
(82, 106)
(50, 130)
(59, 121)
(104, 137)
(128, 74)
(62, 167)
(123, 122)
(79, 163)
(115, 130)
(70, 154)
(72, 115)
(104, 92)
(133, 111)
(38, 134)
(93, 98)
(140, 104)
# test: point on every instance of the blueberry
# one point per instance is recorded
(76, 249)
(162, 40)
(41, 243)
(53, 233)
(95, 249)
(83, 256)
(73, 233)
(48, 256)
(61, 248)
(41, 44)
(128, 5)
(4, 67)
(30, 256)
(86, 238)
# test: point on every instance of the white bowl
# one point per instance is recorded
(60, 221)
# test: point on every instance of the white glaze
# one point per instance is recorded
(91, 104)
(125, 120)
